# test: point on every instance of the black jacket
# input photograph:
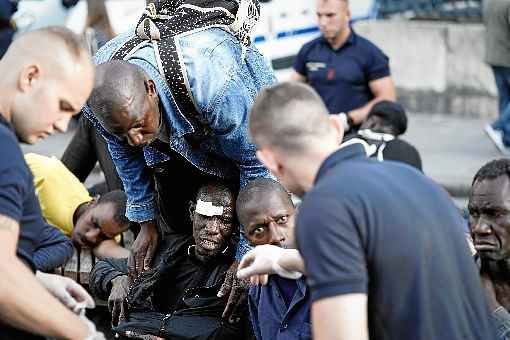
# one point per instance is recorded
(177, 298)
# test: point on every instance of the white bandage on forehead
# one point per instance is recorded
(208, 209)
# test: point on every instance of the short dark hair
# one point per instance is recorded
(118, 199)
(117, 84)
(493, 170)
(290, 116)
(259, 186)
(392, 113)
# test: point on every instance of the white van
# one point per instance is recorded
(284, 27)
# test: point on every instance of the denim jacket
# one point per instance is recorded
(272, 319)
(223, 87)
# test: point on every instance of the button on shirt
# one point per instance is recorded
(341, 76)
(273, 318)
(385, 230)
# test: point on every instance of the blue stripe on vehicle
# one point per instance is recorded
(300, 31)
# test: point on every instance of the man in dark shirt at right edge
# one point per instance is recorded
(384, 246)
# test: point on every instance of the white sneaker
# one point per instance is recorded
(496, 137)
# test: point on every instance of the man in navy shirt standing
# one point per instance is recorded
(383, 246)
(349, 72)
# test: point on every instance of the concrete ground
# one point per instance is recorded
(452, 148)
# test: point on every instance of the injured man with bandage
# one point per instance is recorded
(177, 298)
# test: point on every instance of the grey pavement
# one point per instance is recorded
(452, 148)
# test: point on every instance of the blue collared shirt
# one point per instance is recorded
(223, 87)
(272, 319)
(342, 76)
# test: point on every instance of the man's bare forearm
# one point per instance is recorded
(24, 302)
(292, 261)
(110, 249)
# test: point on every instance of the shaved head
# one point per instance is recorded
(126, 102)
(47, 76)
(294, 133)
(119, 86)
(288, 116)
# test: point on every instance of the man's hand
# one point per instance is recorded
(70, 293)
(265, 260)
(117, 299)
(143, 249)
(237, 290)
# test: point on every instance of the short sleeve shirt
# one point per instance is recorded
(18, 202)
(342, 76)
(17, 194)
(385, 230)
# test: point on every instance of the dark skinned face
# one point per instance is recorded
(377, 124)
(96, 224)
(489, 218)
(269, 220)
(212, 233)
(135, 129)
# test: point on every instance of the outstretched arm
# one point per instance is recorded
(53, 250)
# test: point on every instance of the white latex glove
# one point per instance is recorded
(70, 293)
(93, 333)
(262, 261)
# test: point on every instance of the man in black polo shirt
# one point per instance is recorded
(383, 246)
(349, 72)
(46, 77)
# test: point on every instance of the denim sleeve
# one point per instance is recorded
(134, 173)
(253, 306)
(502, 318)
(53, 250)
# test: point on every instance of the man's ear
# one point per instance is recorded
(150, 87)
(338, 128)
(268, 159)
(192, 207)
(28, 76)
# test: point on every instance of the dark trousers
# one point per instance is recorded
(502, 76)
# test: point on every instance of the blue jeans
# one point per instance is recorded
(502, 76)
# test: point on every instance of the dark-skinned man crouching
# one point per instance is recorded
(177, 299)
(489, 220)
(280, 309)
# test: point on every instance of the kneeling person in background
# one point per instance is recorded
(381, 130)
(280, 309)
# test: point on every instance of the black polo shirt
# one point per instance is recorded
(18, 201)
(385, 230)
(341, 76)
